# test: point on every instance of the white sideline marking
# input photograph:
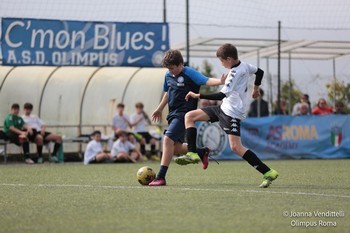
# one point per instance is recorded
(184, 189)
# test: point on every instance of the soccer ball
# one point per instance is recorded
(145, 175)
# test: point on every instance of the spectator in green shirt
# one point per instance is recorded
(18, 132)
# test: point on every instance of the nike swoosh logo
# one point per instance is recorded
(135, 59)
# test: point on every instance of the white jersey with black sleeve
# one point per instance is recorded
(235, 89)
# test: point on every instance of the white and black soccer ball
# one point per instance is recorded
(145, 175)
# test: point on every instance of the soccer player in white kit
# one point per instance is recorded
(229, 114)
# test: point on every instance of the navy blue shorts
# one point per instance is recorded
(176, 130)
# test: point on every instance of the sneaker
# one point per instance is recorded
(155, 158)
(158, 182)
(144, 158)
(29, 161)
(268, 178)
(54, 159)
(40, 160)
(204, 155)
(188, 158)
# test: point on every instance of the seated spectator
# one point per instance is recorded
(38, 125)
(339, 108)
(124, 151)
(322, 108)
(282, 110)
(94, 152)
(139, 122)
(304, 110)
(297, 107)
(259, 107)
(18, 132)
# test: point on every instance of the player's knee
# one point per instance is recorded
(39, 140)
(190, 116)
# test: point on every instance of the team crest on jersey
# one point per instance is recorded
(212, 136)
(180, 81)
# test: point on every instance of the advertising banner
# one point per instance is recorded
(284, 137)
(75, 43)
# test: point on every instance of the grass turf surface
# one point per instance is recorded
(224, 198)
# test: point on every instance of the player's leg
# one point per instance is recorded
(154, 153)
(122, 157)
(134, 156)
(194, 156)
(100, 157)
(168, 151)
(39, 146)
(174, 133)
(58, 143)
(14, 138)
(268, 174)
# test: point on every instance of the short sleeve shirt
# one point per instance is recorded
(235, 89)
(178, 86)
(92, 149)
(15, 121)
(33, 122)
(119, 146)
(119, 121)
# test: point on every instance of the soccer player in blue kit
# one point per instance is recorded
(179, 80)
(230, 113)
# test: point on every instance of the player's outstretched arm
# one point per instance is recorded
(191, 95)
(215, 81)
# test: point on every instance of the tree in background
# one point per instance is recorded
(341, 92)
(207, 70)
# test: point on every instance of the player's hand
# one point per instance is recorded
(191, 94)
(255, 93)
(156, 116)
(223, 78)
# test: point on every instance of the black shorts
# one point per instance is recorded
(146, 136)
(45, 135)
(229, 124)
(14, 138)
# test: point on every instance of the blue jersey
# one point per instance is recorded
(177, 87)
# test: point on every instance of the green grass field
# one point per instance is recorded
(72, 197)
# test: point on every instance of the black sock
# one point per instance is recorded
(55, 149)
(39, 148)
(153, 149)
(25, 147)
(143, 149)
(191, 138)
(255, 162)
(162, 172)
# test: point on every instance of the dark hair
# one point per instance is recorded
(172, 57)
(15, 106)
(139, 105)
(28, 106)
(120, 105)
(227, 50)
(96, 132)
